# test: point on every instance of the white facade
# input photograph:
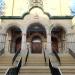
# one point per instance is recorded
(47, 22)
(54, 32)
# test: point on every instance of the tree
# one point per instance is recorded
(2, 7)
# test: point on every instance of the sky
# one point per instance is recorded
(1, 3)
(54, 8)
(73, 7)
(1, 7)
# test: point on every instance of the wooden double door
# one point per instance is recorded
(36, 47)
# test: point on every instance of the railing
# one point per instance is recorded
(15, 56)
(27, 56)
(57, 57)
(54, 71)
(14, 70)
(72, 53)
(19, 65)
(1, 51)
(44, 56)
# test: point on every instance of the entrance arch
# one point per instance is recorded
(13, 39)
(36, 36)
(57, 39)
(36, 43)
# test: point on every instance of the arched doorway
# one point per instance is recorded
(18, 43)
(36, 36)
(57, 39)
(36, 43)
(13, 39)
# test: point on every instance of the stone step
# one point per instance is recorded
(67, 59)
(3, 69)
(68, 74)
(67, 70)
(35, 70)
(36, 64)
(64, 60)
(36, 55)
(5, 60)
(34, 74)
(67, 64)
(35, 60)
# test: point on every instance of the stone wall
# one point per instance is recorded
(24, 23)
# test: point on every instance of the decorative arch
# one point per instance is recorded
(58, 34)
(43, 23)
(36, 7)
(12, 42)
(36, 27)
(45, 13)
(12, 25)
(34, 32)
(57, 25)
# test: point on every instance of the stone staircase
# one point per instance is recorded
(5, 60)
(35, 70)
(67, 60)
(3, 69)
(67, 70)
(6, 63)
(36, 60)
(67, 66)
(35, 66)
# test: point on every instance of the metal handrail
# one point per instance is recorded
(1, 51)
(27, 56)
(14, 70)
(44, 56)
(19, 65)
(15, 56)
(54, 71)
(50, 65)
(57, 57)
(72, 53)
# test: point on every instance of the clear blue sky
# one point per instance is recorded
(1, 3)
(73, 7)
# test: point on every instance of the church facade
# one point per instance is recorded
(37, 31)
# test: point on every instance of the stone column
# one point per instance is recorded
(7, 45)
(2, 42)
(49, 49)
(23, 45)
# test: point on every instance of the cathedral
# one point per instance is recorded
(41, 33)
